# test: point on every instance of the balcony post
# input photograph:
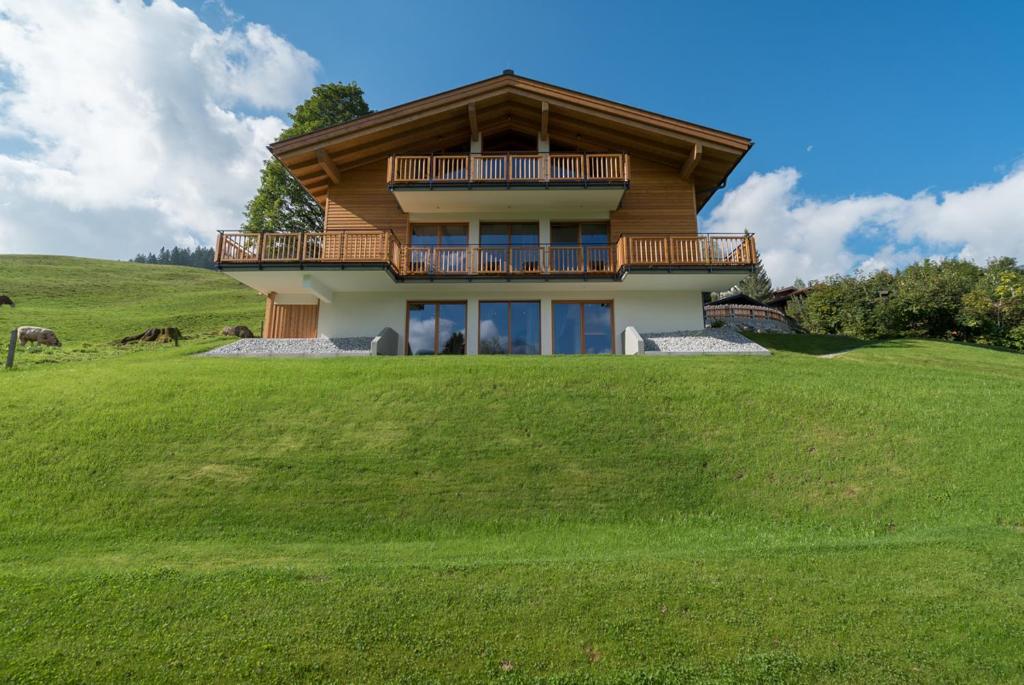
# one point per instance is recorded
(259, 246)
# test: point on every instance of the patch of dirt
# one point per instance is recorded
(222, 472)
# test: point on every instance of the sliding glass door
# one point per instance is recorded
(509, 247)
(435, 328)
(510, 328)
(438, 248)
(582, 328)
(580, 246)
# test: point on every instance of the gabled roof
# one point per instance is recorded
(513, 103)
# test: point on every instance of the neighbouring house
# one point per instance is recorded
(508, 216)
(780, 298)
(742, 311)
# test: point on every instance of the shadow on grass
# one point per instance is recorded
(816, 345)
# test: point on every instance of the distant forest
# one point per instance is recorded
(201, 257)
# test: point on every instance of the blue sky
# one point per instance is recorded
(885, 132)
(892, 97)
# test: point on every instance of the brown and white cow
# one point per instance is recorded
(41, 336)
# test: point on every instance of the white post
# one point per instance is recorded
(545, 325)
(472, 325)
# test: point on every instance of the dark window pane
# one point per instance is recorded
(567, 328)
(494, 234)
(454, 236)
(597, 325)
(421, 329)
(424, 235)
(451, 328)
(564, 234)
(524, 234)
(493, 327)
(594, 234)
(525, 327)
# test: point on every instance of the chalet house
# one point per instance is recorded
(508, 216)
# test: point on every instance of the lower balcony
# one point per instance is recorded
(652, 252)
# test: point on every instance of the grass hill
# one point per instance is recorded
(92, 302)
(167, 517)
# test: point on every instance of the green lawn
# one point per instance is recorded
(166, 517)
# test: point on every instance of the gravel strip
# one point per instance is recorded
(293, 347)
(707, 341)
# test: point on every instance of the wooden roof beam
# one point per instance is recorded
(474, 129)
(691, 164)
(328, 166)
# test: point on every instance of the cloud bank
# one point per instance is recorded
(126, 126)
(799, 236)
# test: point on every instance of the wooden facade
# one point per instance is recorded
(659, 200)
(361, 200)
(289, 320)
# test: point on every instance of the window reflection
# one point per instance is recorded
(509, 328)
(582, 327)
(436, 328)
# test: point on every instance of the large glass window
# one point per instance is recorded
(510, 328)
(436, 328)
(582, 327)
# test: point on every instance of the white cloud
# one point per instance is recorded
(799, 236)
(126, 126)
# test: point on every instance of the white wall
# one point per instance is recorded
(365, 314)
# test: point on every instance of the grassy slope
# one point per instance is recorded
(92, 302)
(172, 518)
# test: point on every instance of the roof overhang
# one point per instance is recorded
(513, 103)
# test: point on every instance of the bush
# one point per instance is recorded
(951, 299)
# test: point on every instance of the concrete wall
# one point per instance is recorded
(351, 315)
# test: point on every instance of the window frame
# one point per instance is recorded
(583, 324)
(508, 314)
(579, 231)
(437, 233)
(437, 330)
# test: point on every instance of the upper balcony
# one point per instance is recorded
(382, 249)
(480, 182)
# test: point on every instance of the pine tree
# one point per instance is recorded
(757, 285)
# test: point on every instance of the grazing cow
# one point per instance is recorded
(41, 336)
(6, 300)
(237, 331)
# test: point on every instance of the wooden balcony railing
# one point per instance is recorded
(652, 251)
(508, 168)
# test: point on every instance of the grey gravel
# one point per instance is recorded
(707, 341)
(293, 347)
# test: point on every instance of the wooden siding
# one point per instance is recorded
(659, 200)
(362, 201)
(290, 320)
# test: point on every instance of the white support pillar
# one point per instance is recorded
(474, 231)
(472, 325)
(544, 230)
(476, 144)
(543, 144)
(545, 325)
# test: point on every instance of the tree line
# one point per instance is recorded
(952, 299)
(201, 257)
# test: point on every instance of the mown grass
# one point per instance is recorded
(90, 303)
(166, 517)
